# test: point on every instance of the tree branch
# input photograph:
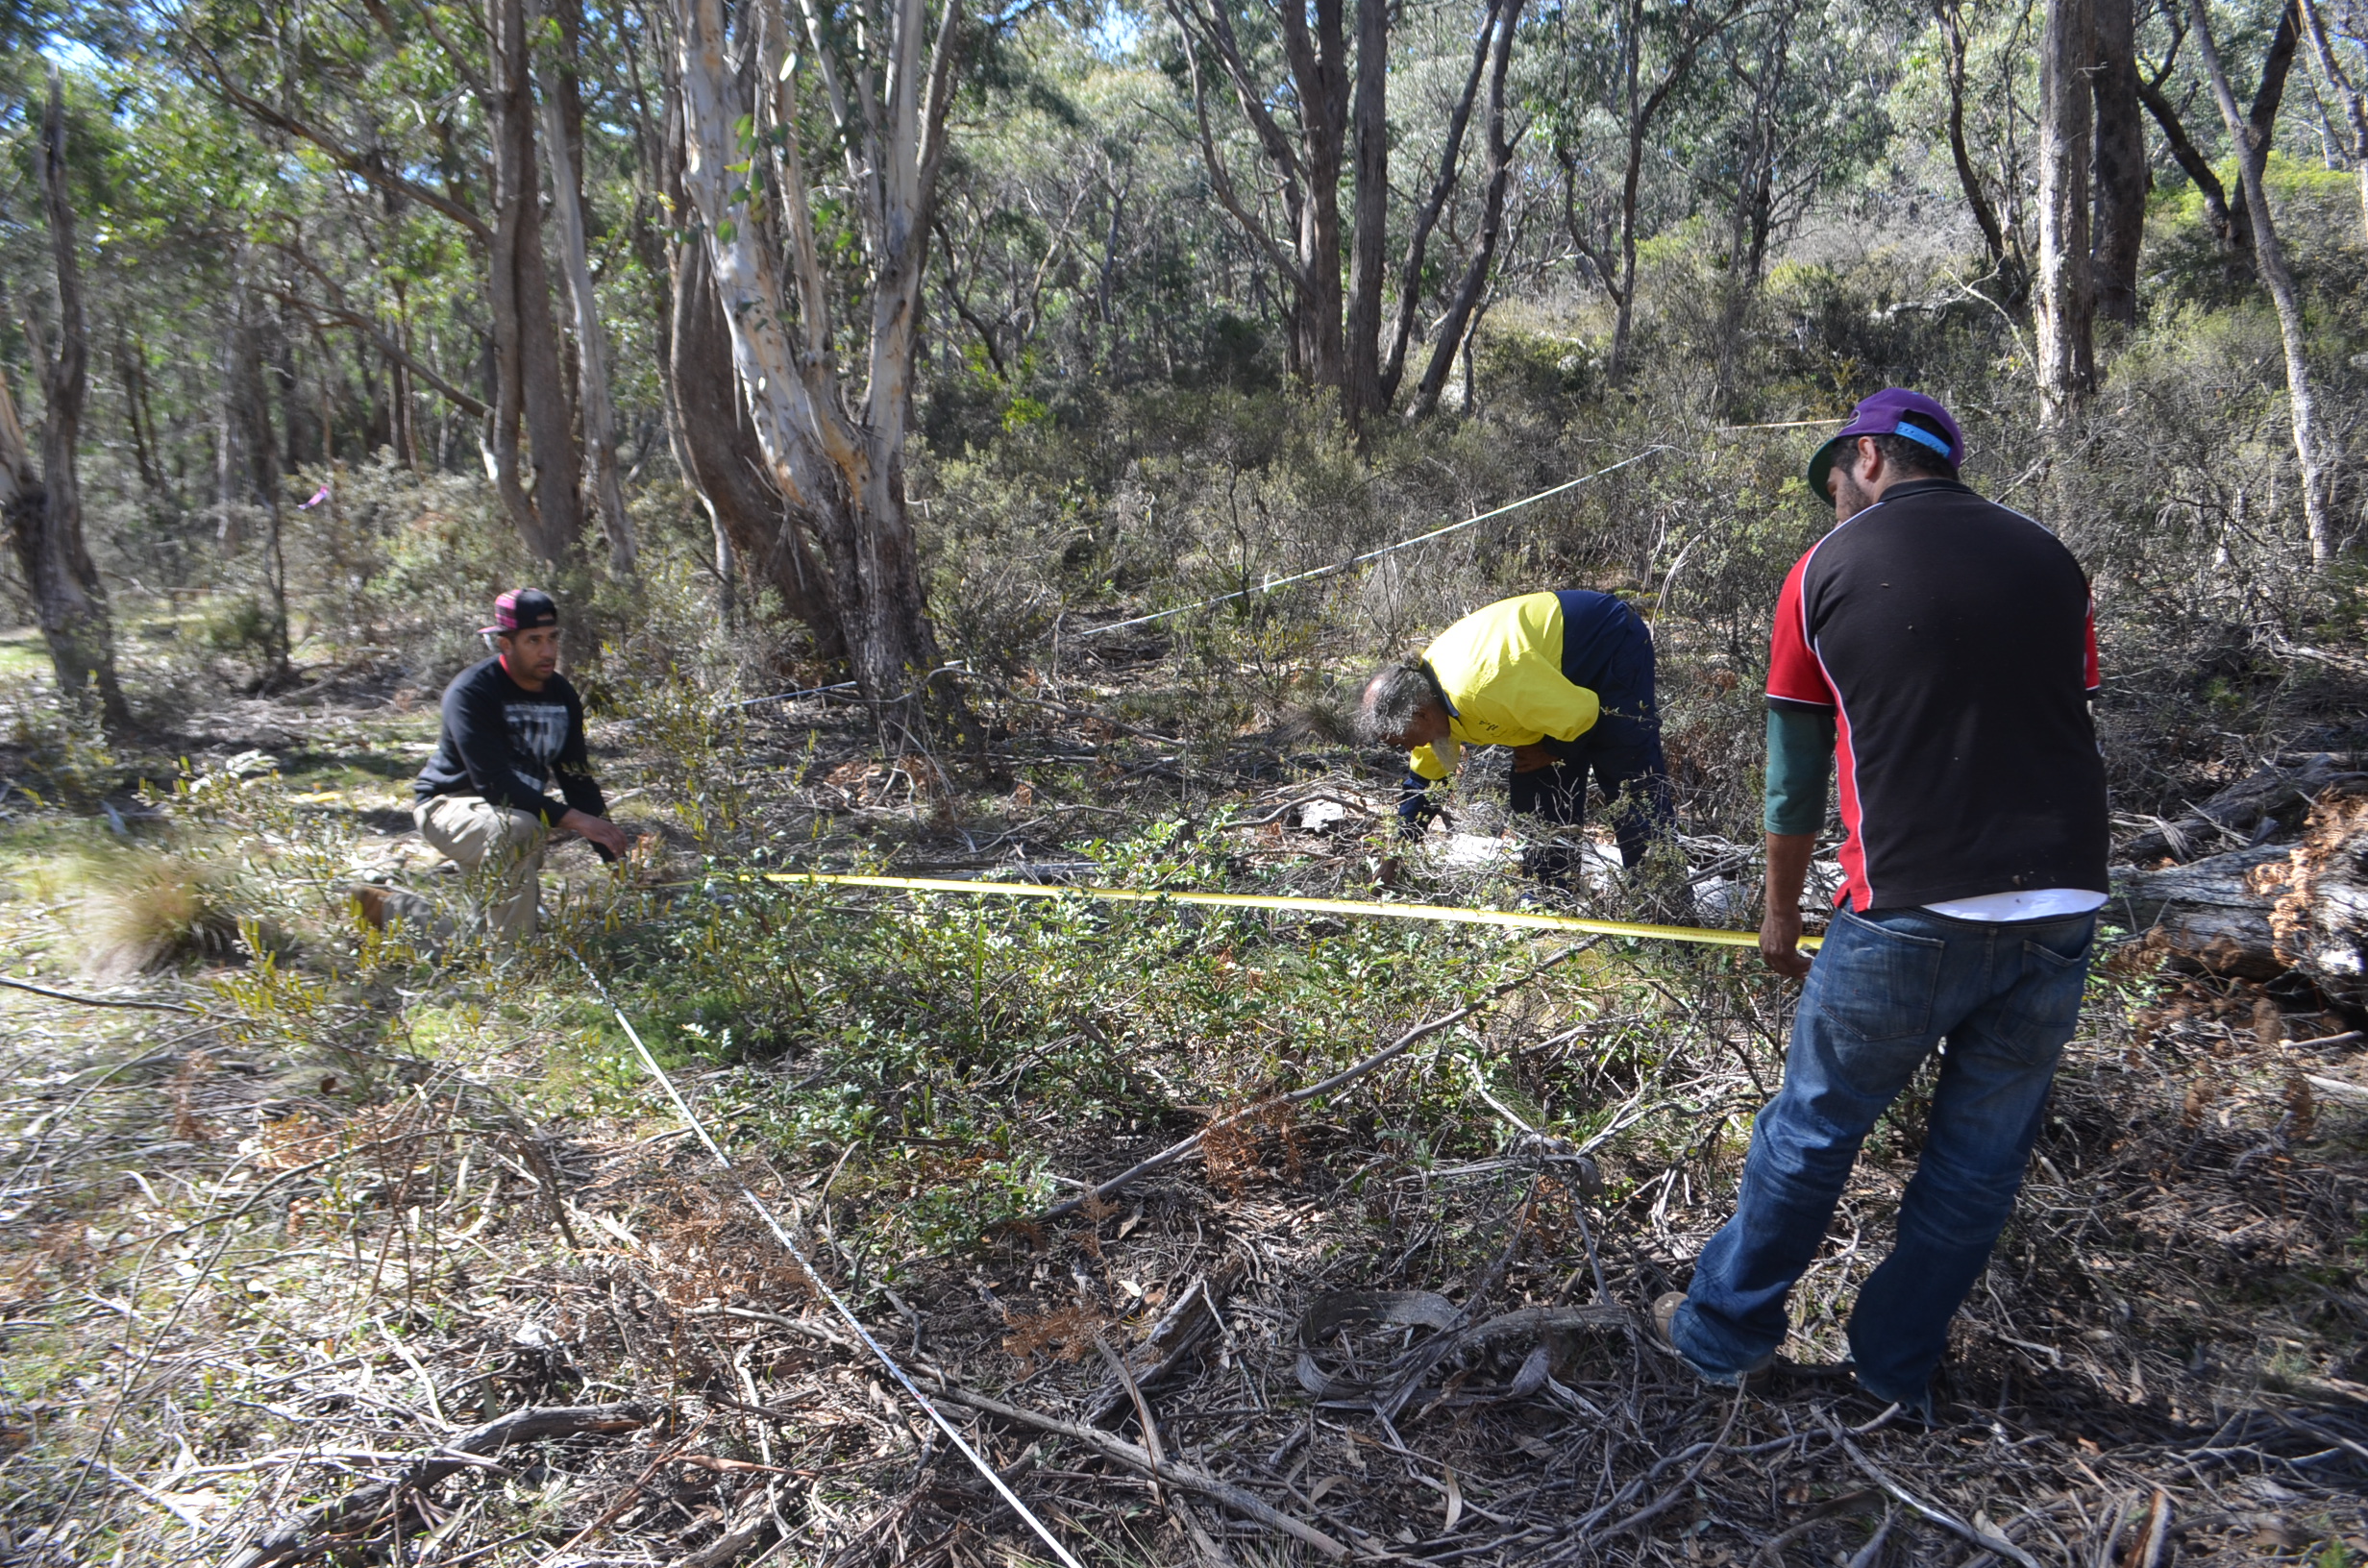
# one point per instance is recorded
(370, 169)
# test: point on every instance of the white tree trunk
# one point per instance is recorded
(836, 457)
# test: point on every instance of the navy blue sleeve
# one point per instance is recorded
(474, 725)
(574, 765)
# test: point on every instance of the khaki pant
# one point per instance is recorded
(502, 847)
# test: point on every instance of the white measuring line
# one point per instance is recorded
(781, 1234)
(1272, 583)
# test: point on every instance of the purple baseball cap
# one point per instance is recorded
(519, 609)
(1882, 415)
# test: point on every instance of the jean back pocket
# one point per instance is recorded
(1874, 983)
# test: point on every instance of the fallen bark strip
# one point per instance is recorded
(1173, 1340)
(297, 1539)
(1348, 1075)
(1185, 1476)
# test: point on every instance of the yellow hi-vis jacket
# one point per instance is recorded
(1501, 668)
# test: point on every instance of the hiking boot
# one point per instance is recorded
(1752, 1378)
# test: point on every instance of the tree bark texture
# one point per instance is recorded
(44, 511)
(1370, 226)
(727, 467)
(598, 414)
(2119, 225)
(2067, 302)
(2251, 141)
(532, 386)
(835, 452)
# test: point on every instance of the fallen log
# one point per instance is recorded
(2320, 916)
(2206, 913)
(2258, 913)
(1176, 1339)
(366, 1506)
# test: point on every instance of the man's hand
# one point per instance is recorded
(1780, 944)
(599, 830)
(1780, 927)
(1528, 759)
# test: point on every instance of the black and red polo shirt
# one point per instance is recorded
(1955, 643)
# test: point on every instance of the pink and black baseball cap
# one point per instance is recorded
(519, 609)
(1886, 414)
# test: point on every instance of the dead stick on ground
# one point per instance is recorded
(1685, 1487)
(1174, 1473)
(96, 1002)
(1938, 1516)
(1348, 1075)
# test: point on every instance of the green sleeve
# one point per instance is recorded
(1800, 759)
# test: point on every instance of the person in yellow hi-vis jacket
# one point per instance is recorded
(1566, 679)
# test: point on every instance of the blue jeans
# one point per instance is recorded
(1607, 650)
(1884, 990)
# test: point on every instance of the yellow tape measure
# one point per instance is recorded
(1446, 913)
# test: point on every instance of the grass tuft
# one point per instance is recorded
(139, 910)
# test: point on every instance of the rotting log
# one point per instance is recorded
(303, 1536)
(2274, 909)
(2320, 915)
(2206, 913)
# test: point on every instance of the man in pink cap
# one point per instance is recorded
(1940, 650)
(512, 724)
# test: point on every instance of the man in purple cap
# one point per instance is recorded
(1941, 650)
(512, 724)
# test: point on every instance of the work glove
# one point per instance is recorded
(1415, 806)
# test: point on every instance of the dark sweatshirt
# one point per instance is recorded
(505, 743)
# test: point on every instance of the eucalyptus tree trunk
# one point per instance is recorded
(2269, 258)
(753, 526)
(2067, 292)
(2119, 226)
(1443, 182)
(44, 508)
(531, 384)
(592, 399)
(1369, 239)
(1638, 111)
(834, 445)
